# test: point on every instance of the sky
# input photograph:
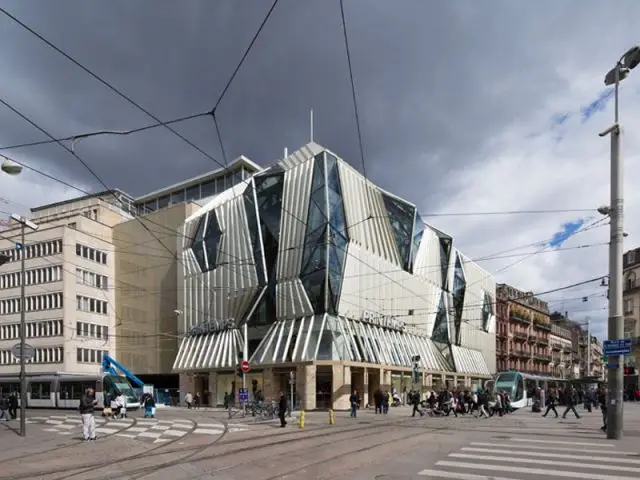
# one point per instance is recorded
(464, 107)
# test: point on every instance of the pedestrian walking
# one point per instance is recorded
(88, 403)
(572, 399)
(354, 401)
(552, 401)
(282, 409)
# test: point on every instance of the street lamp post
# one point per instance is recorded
(627, 62)
(24, 224)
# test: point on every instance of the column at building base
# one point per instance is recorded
(269, 385)
(341, 387)
(186, 384)
(213, 389)
(306, 386)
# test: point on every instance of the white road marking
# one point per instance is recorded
(554, 455)
(150, 434)
(137, 429)
(51, 430)
(207, 431)
(211, 425)
(459, 476)
(106, 430)
(563, 442)
(234, 430)
(555, 449)
(160, 427)
(126, 435)
(175, 433)
(533, 471)
(591, 466)
(160, 440)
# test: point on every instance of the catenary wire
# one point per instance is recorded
(128, 98)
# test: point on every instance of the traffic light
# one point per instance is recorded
(239, 371)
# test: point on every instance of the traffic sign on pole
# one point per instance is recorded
(613, 348)
(243, 395)
(28, 352)
(245, 366)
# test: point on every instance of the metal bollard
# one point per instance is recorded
(332, 417)
(301, 419)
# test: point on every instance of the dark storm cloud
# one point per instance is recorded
(434, 80)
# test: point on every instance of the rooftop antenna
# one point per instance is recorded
(311, 124)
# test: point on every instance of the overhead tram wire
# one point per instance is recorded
(129, 99)
(507, 212)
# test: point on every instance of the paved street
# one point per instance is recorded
(190, 445)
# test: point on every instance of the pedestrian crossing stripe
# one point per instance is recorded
(529, 471)
(555, 449)
(554, 455)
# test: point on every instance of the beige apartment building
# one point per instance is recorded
(631, 308)
(101, 275)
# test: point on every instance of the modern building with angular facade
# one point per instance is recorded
(340, 284)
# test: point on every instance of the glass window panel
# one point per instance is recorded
(402, 218)
(177, 197)
(208, 189)
(441, 326)
(193, 193)
(163, 202)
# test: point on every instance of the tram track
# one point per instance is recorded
(71, 444)
(140, 473)
(86, 467)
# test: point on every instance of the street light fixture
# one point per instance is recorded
(619, 72)
(24, 224)
(10, 167)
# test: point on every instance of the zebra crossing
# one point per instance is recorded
(547, 448)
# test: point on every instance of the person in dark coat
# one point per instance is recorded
(282, 409)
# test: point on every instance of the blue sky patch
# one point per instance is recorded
(568, 229)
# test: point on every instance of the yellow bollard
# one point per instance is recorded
(332, 417)
(301, 419)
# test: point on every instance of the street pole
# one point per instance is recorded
(245, 358)
(23, 336)
(616, 319)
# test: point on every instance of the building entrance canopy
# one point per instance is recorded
(330, 338)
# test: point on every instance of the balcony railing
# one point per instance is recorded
(567, 349)
(532, 339)
(556, 346)
(540, 325)
(543, 342)
(520, 336)
(542, 358)
(517, 317)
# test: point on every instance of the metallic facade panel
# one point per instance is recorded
(300, 156)
(367, 219)
(469, 361)
(292, 300)
(293, 225)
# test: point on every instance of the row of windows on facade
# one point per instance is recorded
(52, 301)
(41, 355)
(34, 250)
(33, 303)
(195, 192)
(91, 305)
(84, 277)
(88, 355)
(92, 330)
(40, 329)
(91, 253)
(34, 276)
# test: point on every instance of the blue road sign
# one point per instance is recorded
(617, 347)
(243, 395)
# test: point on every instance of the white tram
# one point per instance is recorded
(65, 390)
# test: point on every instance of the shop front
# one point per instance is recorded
(322, 359)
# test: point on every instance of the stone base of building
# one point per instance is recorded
(318, 385)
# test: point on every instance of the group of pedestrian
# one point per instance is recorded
(570, 398)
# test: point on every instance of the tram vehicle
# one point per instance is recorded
(521, 386)
(63, 390)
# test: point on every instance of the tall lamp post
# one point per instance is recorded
(24, 224)
(619, 72)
